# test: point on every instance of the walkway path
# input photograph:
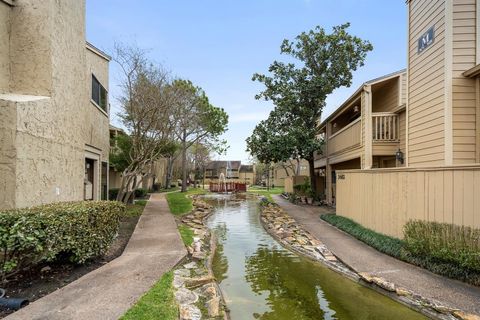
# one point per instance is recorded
(108, 292)
(363, 258)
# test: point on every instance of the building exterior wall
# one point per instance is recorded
(278, 174)
(48, 103)
(441, 181)
(426, 85)
(464, 98)
(384, 200)
(386, 98)
(5, 47)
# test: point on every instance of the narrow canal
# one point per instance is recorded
(262, 280)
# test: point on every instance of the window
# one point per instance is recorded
(99, 94)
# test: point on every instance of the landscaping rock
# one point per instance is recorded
(465, 316)
(197, 282)
(213, 307)
(191, 265)
(178, 281)
(186, 296)
(190, 312)
(389, 286)
(182, 272)
(403, 292)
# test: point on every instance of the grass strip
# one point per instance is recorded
(157, 304)
(187, 234)
(136, 209)
(397, 248)
(179, 203)
(266, 193)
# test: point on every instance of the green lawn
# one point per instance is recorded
(266, 193)
(179, 203)
(157, 304)
(134, 210)
(187, 234)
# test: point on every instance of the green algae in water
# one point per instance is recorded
(262, 280)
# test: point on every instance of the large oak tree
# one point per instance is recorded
(319, 63)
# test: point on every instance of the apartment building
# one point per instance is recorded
(280, 171)
(233, 171)
(440, 180)
(54, 115)
(367, 131)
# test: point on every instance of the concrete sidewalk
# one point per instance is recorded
(363, 258)
(108, 292)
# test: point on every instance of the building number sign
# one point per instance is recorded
(426, 39)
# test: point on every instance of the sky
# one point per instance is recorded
(220, 44)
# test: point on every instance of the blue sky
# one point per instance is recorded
(219, 44)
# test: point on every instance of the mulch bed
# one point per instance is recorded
(46, 278)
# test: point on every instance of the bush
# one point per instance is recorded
(426, 244)
(140, 193)
(113, 193)
(78, 231)
(444, 242)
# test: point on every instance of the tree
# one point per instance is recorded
(325, 63)
(195, 120)
(146, 101)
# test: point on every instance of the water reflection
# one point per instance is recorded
(262, 280)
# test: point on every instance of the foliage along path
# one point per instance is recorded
(108, 292)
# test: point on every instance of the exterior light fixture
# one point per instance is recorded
(335, 125)
(399, 156)
(356, 109)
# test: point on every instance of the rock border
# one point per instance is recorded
(196, 290)
(292, 236)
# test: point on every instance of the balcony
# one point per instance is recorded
(346, 138)
(385, 127)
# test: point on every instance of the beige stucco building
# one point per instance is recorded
(440, 180)
(280, 171)
(54, 140)
(232, 171)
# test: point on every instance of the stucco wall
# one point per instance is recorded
(96, 121)
(8, 120)
(31, 46)
(5, 47)
(43, 154)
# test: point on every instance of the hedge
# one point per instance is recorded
(444, 242)
(77, 231)
(448, 250)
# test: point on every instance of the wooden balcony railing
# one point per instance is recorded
(345, 138)
(385, 127)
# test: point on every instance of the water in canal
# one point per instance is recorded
(262, 280)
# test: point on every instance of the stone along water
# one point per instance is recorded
(262, 280)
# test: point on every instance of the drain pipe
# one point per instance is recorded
(11, 303)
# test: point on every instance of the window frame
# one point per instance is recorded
(100, 87)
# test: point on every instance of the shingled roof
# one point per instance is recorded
(215, 165)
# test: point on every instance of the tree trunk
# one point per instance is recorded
(168, 176)
(184, 164)
(311, 167)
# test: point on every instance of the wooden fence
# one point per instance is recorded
(385, 199)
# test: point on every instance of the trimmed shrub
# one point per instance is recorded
(444, 249)
(140, 193)
(113, 193)
(78, 231)
(444, 242)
